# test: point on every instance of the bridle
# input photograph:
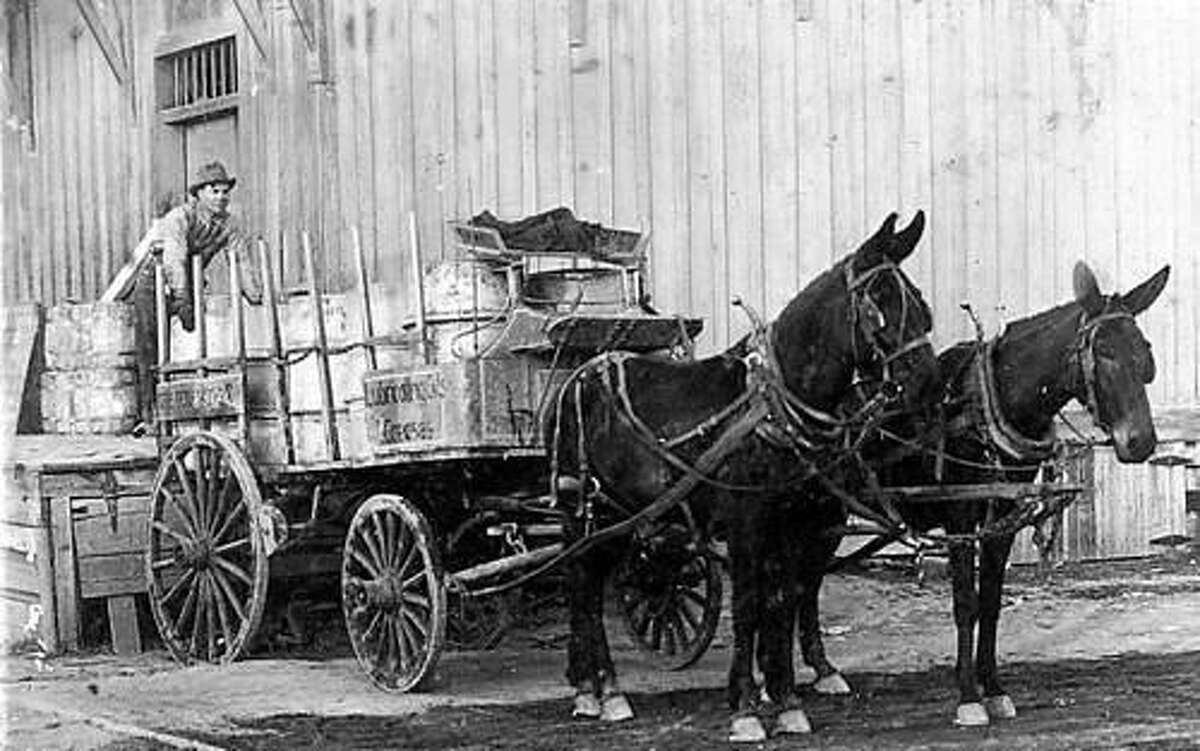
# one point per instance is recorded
(1081, 367)
(1083, 351)
(867, 318)
(793, 422)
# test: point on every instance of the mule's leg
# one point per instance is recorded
(745, 726)
(994, 554)
(779, 604)
(582, 670)
(816, 555)
(614, 705)
(966, 615)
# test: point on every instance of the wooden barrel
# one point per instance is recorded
(90, 382)
(89, 401)
(87, 335)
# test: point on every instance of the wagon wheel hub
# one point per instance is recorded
(385, 593)
(197, 554)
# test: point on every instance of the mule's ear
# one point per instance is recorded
(1087, 292)
(1143, 296)
(907, 238)
(887, 229)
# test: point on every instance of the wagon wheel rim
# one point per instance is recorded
(476, 623)
(206, 562)
(393, 594)
(674, 624)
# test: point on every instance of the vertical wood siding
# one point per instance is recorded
(756, 140)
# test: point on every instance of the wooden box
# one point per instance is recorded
(85, 501)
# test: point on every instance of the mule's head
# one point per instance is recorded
(889, 319)
(1115, 362)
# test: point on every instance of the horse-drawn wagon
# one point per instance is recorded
(392, 437)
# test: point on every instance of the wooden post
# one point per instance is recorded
(48, 625)
(368, 323)
(199, 308)
(198, 304)
(322, 352)
(271, 299)
(418, 286)
(161, 319)
(66, 587)
(239, 339)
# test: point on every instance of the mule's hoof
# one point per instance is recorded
(747, 729)
(615, 708)
(792, 722)
(586, 706)
(971, 715)
(832, 685)
(1000, 707)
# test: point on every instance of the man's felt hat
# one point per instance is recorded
(213, 172)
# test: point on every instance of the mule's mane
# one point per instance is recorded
(1037, 325)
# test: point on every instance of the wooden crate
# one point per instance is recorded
(90, 495)
(98, 518)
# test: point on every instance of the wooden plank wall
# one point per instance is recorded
(73, 187)
(758, 141)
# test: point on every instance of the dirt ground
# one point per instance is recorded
(1095, 656)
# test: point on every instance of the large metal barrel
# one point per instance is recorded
(90, 382)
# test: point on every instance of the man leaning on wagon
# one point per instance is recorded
(200, 226)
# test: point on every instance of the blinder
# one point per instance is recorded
(867, 321)
(1085, 355)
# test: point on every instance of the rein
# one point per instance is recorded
(1002, 436)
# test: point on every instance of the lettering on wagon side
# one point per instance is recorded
(404, 408)
(191, 399)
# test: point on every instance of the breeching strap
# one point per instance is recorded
(708, 461)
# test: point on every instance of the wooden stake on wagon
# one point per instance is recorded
(368, 323)
(239, 340)
(418, 286)
(271, 298)
(322, 351)
(163, 332)
(199, 307)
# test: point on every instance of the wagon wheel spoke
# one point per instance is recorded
(373, 550)
(230, 596)
(200, 493)
(367, 564)
(175, 503)
(242, 542)
(238, 511)
(233, 568)
(392, 540)
(222, 499)
(219, 596)
(186, 505)
(165, 529)
(210, 603)
(178, 586)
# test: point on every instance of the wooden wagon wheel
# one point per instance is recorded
(476, 623)
(670, 592)
(393, 594)
(206, 559)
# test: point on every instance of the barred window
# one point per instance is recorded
(206, 74)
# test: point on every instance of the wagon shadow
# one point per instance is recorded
(1134, 699)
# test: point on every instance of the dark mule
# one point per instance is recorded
(999, 403)
(732, 436)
